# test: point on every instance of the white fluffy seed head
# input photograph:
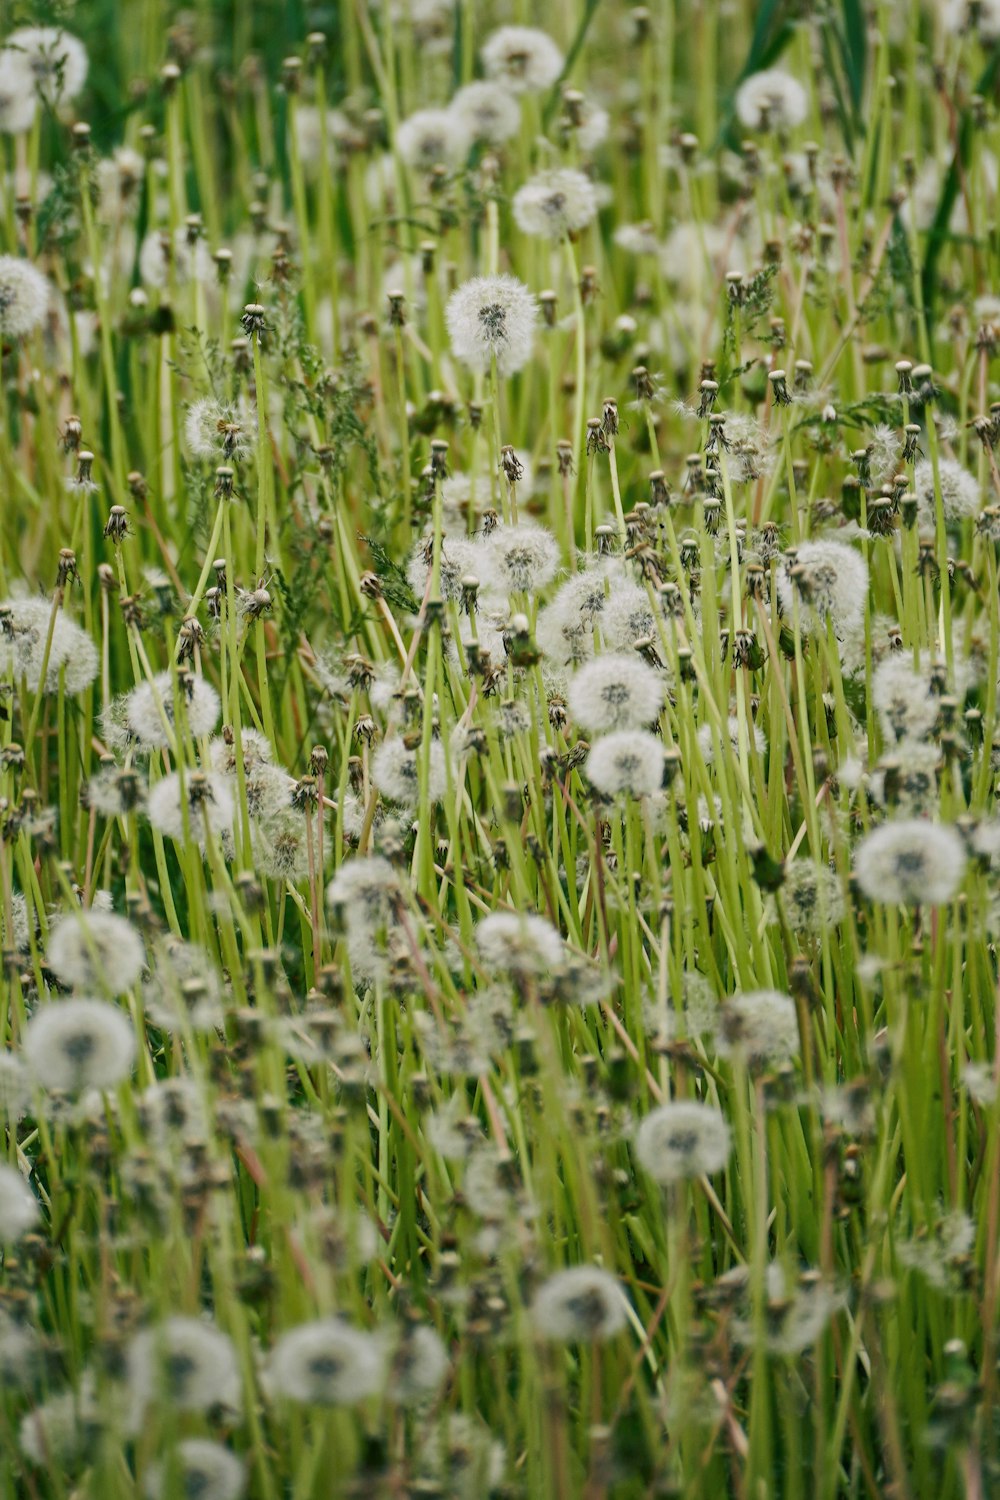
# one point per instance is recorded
(629, 761)
(910, 862)
(811, 897)
(492, 316)
(960, 497)
(682, 1139)
(759, 1026)
(18, 1205)
(831, 581)
(487, 111)
(906, 706)
(580, 1305)
(24, 297)
(523, 58)
(95, 950)
(519, 943)
(72, 1045)
(519, 559)
(17, 95)
(206, 797)
(615, 692)
(365, 888)
(396, 771)
(222, 431)
(555, 203)
(162, 258)
(198, 1467)
(982, 16)
(182, 1364)
(771, 100)
(73, 658)
(731, 738)
(326, 1363)
(433, 138)
(152, 702)
(417, 1366)
(53, 60)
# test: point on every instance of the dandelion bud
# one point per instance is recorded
(904, 370)
(66, 568)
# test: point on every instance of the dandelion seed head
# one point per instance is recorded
(811, 897)
(223, 431)
(910, 862)
(580, 1305)
(54, 60)
(682, 1139)
(72, 658)
(17, 95)
(629, 761)
(433, 137)
(831, 580)
(492, 317)
(519, 943)
(326, 1363)
(152, 701)
(488, 112)
(205, 1470)
(759, 1026)
(182, 1364)
(396, 771)
(205, 798)
(771, 100)
(960, 497)
(555, 203)
(72, 1045)
(523, 58)
(961, 16)
(519, 559)
(19, 1209)
(615, 692)
(25, 295)
(94, 950)
(755, 738)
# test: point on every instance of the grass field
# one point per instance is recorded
(499, 648)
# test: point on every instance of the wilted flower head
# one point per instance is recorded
(615, 692)
(629, 761)
(326, 1363)
(555, 203)
(200, 1469)
(760, 1026)
(432, 138)
(580, 1305)
(488, 111)
(525, 59)
(73, 1045)
(910, 863)
(185, 1364)
(95, 950)
(682, 1139)
(492, 316)
(960, 497)
(771, 100)
(24, 297)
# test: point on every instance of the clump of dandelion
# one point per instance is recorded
(629, 761)
(72, 658)
(759, 1026)
(326, 1363)
(960, 497)
(18, 1206)
(555, 203)
(615, 692)
(771, 100)
(93, 950)
(431, 138)
(198, 1467)
(182, 1364)
(487, 111)
(25, 295)
(72, 1045)
(522, 57)
(910, 862)
(580, 1305)
(492, 317)
(682, 1139)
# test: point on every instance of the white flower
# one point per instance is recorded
(205, 796)
(630, 761)
(24, 297)
(72, 1045)
(93, 950)
(326, 1363)
(682, 1139)
(580, 1305)
(492, 316)
(771, 100)
(519, 559)
(396, 771)
(519, 943)
(54, 60)
(555, 203)
(18, 1205)
(960, 496)
(182, 1364)
(831, 579)
(432, 138)
(488, 112)
(525, 59)
(17, 95)
(25, 625)
(200, 1470)
(615, 692)
(761, 1026)
(910, 863)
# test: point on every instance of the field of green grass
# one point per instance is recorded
(499, 744)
